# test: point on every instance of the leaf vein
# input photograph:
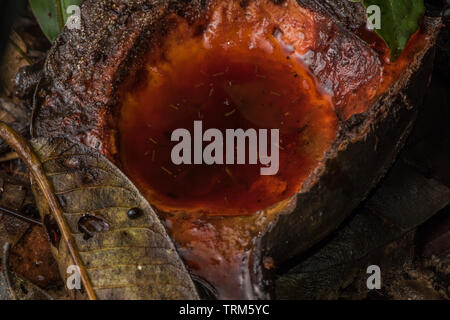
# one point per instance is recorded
(92, 188)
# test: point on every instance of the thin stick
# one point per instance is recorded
(26, 153)
(20, 216)
(9, 156)
(5, 263)
(35, 109)
(20, 51)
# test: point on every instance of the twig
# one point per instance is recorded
(9, 156)
(5, 263)
(35, 109)
(20, 51)
(21, 216)
(26, 153)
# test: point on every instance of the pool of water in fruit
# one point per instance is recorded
(225, 89)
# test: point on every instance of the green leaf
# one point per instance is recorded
(400, 19)
(52, 15)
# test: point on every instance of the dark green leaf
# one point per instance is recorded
(400, 19)
(52, 15)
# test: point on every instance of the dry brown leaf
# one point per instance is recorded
(122, 257)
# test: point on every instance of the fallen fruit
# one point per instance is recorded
(104, 83)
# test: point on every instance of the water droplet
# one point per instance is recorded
(71, 163)
(89, 224)
(134, 213)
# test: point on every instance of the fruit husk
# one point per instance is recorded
(357, 161)
(77, 95)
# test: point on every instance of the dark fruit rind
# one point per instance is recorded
(357, 161)
(79, 94)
